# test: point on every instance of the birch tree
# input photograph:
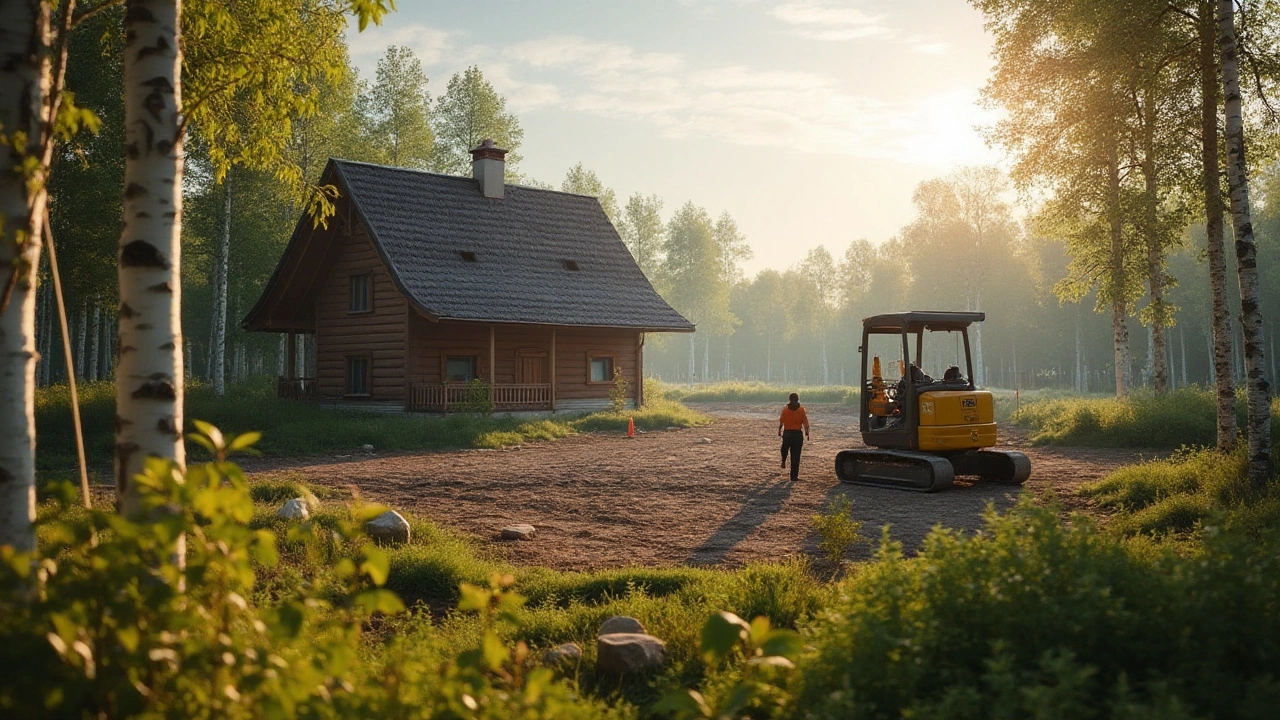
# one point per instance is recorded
(819, 269)
(1258, 394)
(25, 85)
(583, 181)
(643, 232)
(400, 109)
(470, 111)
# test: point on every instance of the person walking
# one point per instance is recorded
(793, 428)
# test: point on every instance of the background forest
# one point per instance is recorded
(979, 239)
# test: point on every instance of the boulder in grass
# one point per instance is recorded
(518, 532)
(621, 624)
(366, 448)
(295, 509)
(629, 653)
(389, 528)
(563, 654)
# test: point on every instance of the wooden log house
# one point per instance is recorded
(422, 282)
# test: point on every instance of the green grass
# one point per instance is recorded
(752, 392)
(298, 428)
(1143, 420)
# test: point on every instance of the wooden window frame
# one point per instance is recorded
(594, 355)
(368, 293)
(459, 353)
(368, 376)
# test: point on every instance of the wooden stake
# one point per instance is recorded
(71, 374)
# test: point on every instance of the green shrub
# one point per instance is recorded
(618, 392)
(838, 530)
(1032, 618)
(752, 392)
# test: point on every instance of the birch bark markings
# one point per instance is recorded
(218, 354)
(24, 90)
(149, 371)
(1258, 395)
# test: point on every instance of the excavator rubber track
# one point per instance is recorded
(898, 469)
(1004, 467)
(922, 472)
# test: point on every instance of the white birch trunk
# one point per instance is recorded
(281, 354)
(1259, 393)
(1219, 344)
(979, 365)
(706, 359)
(768, 362)
(728, 365)
(1182, 343)
(149, 375)
(82, 324)
(1120, 341)
(25, 83)
(693, 355)
(218, 356)
(826, 373)
(95, 332)
(1079, 356)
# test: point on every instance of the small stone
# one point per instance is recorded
(295, 509)
(562, 654)
(625, 653)
(705, 441)
(518, 532)
(366, 448)
(621, 624)
(390, 527)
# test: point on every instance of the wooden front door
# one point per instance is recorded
(532, 369)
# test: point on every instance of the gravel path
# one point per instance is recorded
(702, 496)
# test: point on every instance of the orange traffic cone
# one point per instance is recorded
(631, 427)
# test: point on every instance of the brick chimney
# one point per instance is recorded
(488, 167)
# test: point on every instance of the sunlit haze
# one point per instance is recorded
(809, 121)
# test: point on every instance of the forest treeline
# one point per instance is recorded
(1111, 273)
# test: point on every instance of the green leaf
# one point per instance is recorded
(376, 564)
(772, 661)
(379, 601)
(683, 704)
(759, 630)
(495, 653)
(202, 441)
(720, 634)
(783, 643)
(244, 441)
(473, 598)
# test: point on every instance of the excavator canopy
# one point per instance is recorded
(917, 320)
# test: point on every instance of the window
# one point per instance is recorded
(359, 293)
(357, 376)
(601, 369)
(460, 368)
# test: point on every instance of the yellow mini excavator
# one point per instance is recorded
(921, 432)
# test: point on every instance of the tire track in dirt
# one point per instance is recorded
(713, 495)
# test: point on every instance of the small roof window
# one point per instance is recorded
(571, 265)
(467, 255)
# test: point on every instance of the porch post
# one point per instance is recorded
(553, 368)
(493, 381)
(291, 357)
(639, 370)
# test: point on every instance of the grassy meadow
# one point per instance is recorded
(299, 428)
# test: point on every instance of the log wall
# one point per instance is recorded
(378, 334)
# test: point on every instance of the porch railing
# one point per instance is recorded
(506, 396)
(296, 389)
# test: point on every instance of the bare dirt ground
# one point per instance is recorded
(701, 496)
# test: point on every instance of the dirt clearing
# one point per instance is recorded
(713, 495)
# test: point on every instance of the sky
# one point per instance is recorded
(809, 121)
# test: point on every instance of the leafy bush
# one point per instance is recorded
(1183, 417)
(838, 530)
(478, 399)
(1033, 618)
(618, 393)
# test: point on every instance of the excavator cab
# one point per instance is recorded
(921, 432)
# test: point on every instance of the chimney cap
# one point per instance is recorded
(488, 151)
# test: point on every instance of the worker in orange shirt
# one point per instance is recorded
(793, 428)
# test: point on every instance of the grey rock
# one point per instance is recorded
(562, 654)
(518, 532)
(366, 448)
(626, 653)
(295, 509)
(621, 624)
(390, 527)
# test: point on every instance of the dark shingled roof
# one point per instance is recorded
(524, 246)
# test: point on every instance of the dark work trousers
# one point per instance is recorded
(793, 441)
